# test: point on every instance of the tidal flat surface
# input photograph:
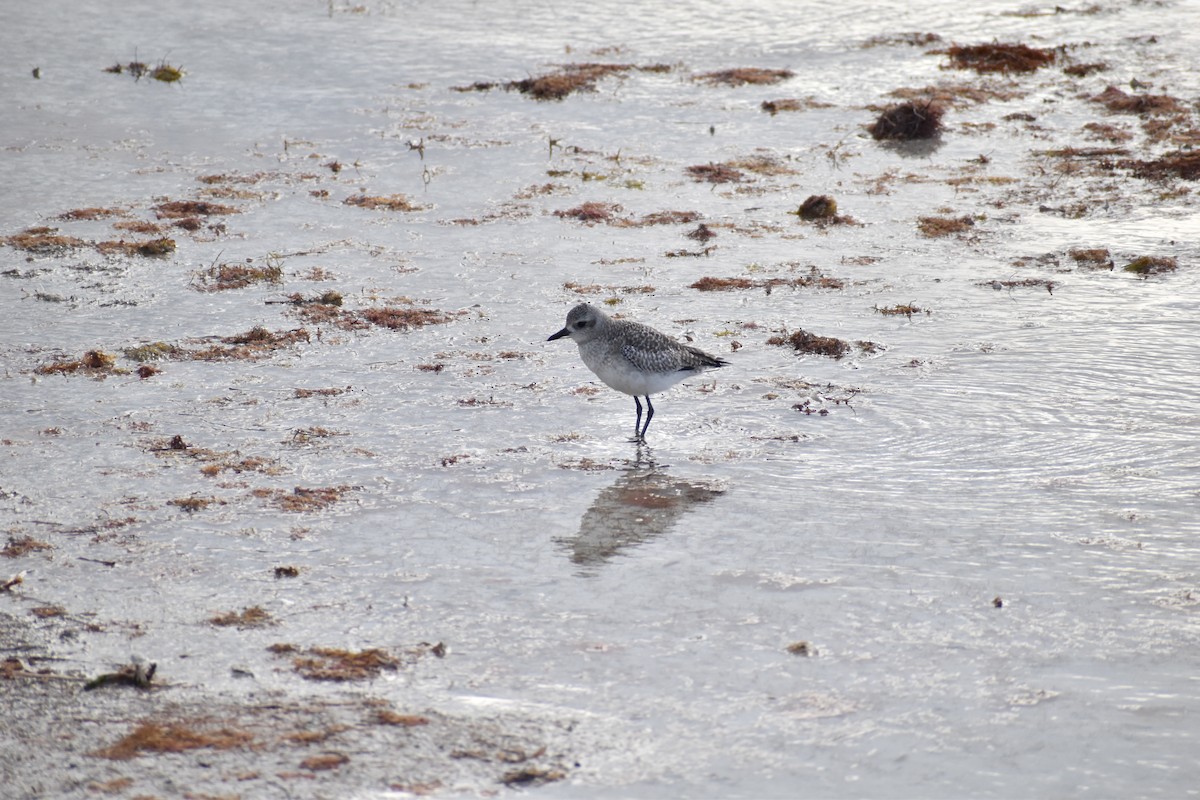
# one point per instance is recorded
(279, 416)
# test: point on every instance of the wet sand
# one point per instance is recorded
(280, 420)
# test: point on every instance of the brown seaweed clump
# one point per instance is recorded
(327, 310)
(222, 277)
(477, 86)
(742, 76)
(821, 209)
(252, 345)
(96, 363)
(252, 617)
(761, 164)
(336, 664)
(91, 212)
(152, 352)
(531, 775)
(1092, 257)
(329, 298)
(303, 499)
(773, 107)
(935, 227)
(388, 717)
(324, 761)
(21, 545)
(41, 239)
(715, 173)
(814, 279)
(997, 57)
(685, 253)
(1184, 165)
(801, 648)
(391, 202)
(163, 72)
(665, 218)
(173, 737)
(192, 504)
(162, 246)
(591, 212)
(178, 209)
(1151, 265)
(1083, 70)
(1119, 102)
(906, 310)
(712, 284)
(908, 121)
(818, 206)
(557, 85)
(166, 73)
(136, 69)
(804, 342)
(587, 289)
(570, 78)
(139, 226)
(403, 318)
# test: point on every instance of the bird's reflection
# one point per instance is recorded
(642, 504)
(915, 148)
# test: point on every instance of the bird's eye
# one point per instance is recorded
(583, 323)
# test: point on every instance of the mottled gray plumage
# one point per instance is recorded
(631, 357)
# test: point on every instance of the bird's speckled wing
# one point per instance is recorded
(651, 351)
(648, 350)
(649, 360)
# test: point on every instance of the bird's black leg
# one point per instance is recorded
(637, 424)
(649, 416)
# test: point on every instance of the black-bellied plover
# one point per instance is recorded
(633, 358)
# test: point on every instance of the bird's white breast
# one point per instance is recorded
(619, 373)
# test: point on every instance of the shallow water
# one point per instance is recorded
(1033, 446)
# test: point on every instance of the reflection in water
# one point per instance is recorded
(643, 503)
(917, 148)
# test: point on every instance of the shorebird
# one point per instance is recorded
(633, 358)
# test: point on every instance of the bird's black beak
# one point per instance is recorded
(559, 335)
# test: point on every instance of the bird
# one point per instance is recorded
(633, 358)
